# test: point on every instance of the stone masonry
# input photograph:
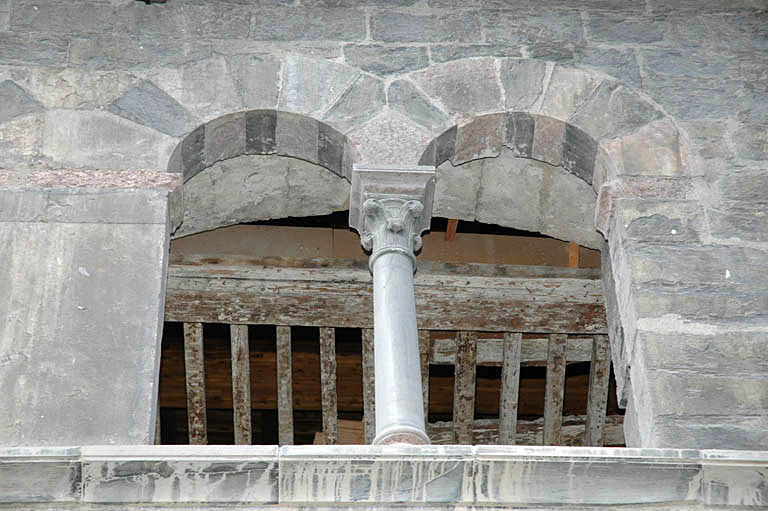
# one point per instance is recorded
(655, 113)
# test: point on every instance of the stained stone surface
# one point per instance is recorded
(251, 188)
(391, 477)
(83, 294)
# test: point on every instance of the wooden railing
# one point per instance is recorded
(220, 292)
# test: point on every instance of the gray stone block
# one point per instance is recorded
(27, 49)
(310, 86)
(205, 88)
(741, 221)
(742, 184)
(389, 139)
(751, 141)
(338, 24)
(120, 52)
(448, 52)
(659, 221)
(386, 60)
(620, 63)
(391, 26)
(359, 103)
(21, 141)
(71, 18)
(330, 149)
(256, 78)
(520, 130)
(260, 131)
(296, 136)
(523, 82)
(567, 89)
(716, 432)
(579, 151)
(708, 138)
(567, 205)
(548, 139)
(225, 138)
(44, 480)
(481, 138)
(454, 85)
(193, 153)
(456, 190)
(406, 98)
(102, 271)
(440, 149)
(613, 110)
(149, 105)
(15, 101)
(605, 27)
(520, 26)
(552, 52)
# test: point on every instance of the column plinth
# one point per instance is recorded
(390, 208)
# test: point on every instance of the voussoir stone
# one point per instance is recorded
(225, 138)
(523, 81)
(483, 137)
(456, 190)
(149, 105)
(15, 101)
(548, 138)
(390, 138)
(567, 90)
(358, 104)
(310, 86)
(256, 78)
(654, 149)
(462, 86)
(297, 136)
(404, 97)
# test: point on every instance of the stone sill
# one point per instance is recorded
(362, 476)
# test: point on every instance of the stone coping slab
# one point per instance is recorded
(363, 476)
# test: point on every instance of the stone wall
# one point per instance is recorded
(660, 106)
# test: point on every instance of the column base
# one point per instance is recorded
(401, 435)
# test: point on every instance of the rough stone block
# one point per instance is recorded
(316, 24)
(454, 85)
(604, 27)
(27, 49)
(441, 148)
(579, 152)
(43, 480)
(386, 60)
(548, 139)
(62, 17)
(456, 190)
(520, 130)
(15, 101)
(296, 136)
(103, 140)
(406, 98)
(225, 138)
(448, 52)
(483, 137)
(205, 88)
(716, 432)
(148, 105)
(330, 149)
(751, 141)
(567, 205)
(523, 82)
(310, 86)
(21, 141)
(659, 221)
(261, 131)
(358, 104)
(739, 485)
(256, 79)
(739, 221)
(620, 63)
(228, 478)
(390, 138)
(517, 26)
(193, 153)
(120, 52)
(568, 89)
(613, 110)
(654, 149)
(708, 138)
(64, 374)
(392, 26)
(742, 184)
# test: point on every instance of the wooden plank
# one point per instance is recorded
(450, 229)
(597, 402)
(284, 386)
(328, 384)
(486, 431)
(553, 399)
(241, 383)
(480, 300)
(573, 255)
(490, 350)
(158, 430)
(510, 387)
(424, 349)
(350, 433)
(369, 387)
(194, 365)
(464, 387)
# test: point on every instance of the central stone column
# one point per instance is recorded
(390, 208)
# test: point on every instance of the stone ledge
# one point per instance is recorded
(364, 475)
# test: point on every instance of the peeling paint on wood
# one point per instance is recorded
(599, 376)
(490, 349)
(241, 383)
(424, 349)
(369, 386)
(195, 378)
(284, 386)
(464, 387)
(510, 387)
(553, 399)
(328, 383)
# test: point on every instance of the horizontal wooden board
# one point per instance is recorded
(474, 297)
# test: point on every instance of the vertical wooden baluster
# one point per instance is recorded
(158, 430)
(424, 346)
(599, 376)
(553, 399)
(328, 384)
(194, 366)
(369, 393)
(284, 386)
(510, 387)
(464, 387)
(241, 383)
